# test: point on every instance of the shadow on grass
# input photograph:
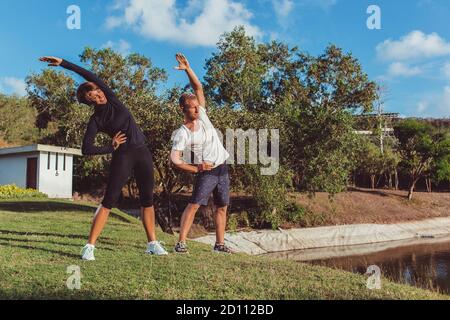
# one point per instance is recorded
(61, 253)
(48, 242)
(102, 240)
(50, 206)
(41, 206)
(47, 234)
(60, 294)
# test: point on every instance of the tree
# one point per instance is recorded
(418, 147)
(17, 120)
(440, 171)
(371, 161)
(234, 74)
(314, 96)
(391, 160)
(320, 118)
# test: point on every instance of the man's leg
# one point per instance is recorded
(187, 219)
(222, 199)
(221, 222)
(204, 184)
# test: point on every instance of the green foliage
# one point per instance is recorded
(416, 145)
(421, 148)
(372, 161)
(313, 100)
(17, 120)
(441, 163)
(270, 194)
(236, 71)
(320, 147)
(14, 192)
(304, 217)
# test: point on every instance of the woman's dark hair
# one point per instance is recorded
(83, 90)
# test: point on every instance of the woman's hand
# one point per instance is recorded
(183, 63)
(52, 61)
(118, 139)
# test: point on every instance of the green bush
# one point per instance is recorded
(270, 194)
(304, 218)
(14, 192)
(232, 222)
(238, 220)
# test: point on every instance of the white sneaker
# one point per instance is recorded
(156, 248)
(87, 253)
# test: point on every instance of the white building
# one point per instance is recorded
(48, 169)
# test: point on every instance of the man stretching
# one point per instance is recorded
(199, 136)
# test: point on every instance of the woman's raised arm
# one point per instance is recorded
(86, 74)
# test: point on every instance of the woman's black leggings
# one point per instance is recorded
(122, 165)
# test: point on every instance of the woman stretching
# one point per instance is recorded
(129, 153)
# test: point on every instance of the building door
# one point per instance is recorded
(32, 173)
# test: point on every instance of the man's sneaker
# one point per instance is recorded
(87, 253)
(156, 248)
(181, 247)
(221, 248)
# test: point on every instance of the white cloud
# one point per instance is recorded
(13, 85)
(282, 8)
(435, 105)
(399, 69)
(121, 46)
(117, 4)
(446, 70)
(445, 101)
(324, 4)
(162, 20)
(415, 45)
(422, 106)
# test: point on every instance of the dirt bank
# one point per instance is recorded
(374, 206)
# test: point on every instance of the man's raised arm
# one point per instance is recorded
(193, 79)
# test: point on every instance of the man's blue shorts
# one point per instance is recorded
(217, 182)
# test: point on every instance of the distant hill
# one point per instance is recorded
(439, 123)
(3, 143)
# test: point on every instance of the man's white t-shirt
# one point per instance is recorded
(204, 143)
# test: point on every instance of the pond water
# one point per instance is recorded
(421, 262)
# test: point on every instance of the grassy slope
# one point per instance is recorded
(40, 239)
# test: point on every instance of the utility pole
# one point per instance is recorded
(380, 126)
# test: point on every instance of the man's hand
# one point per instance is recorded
(52, 61)
(118, 139)
(183, 63)
(205, 166)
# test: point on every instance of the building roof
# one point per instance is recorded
(39, 147)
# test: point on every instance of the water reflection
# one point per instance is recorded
(424, 264)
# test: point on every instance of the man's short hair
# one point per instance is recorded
(186, 97)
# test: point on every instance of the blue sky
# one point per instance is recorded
(409, 55)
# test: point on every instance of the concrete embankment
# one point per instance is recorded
(269, 241)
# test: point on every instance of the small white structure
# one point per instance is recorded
(48, 169)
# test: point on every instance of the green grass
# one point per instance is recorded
(39, 239)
